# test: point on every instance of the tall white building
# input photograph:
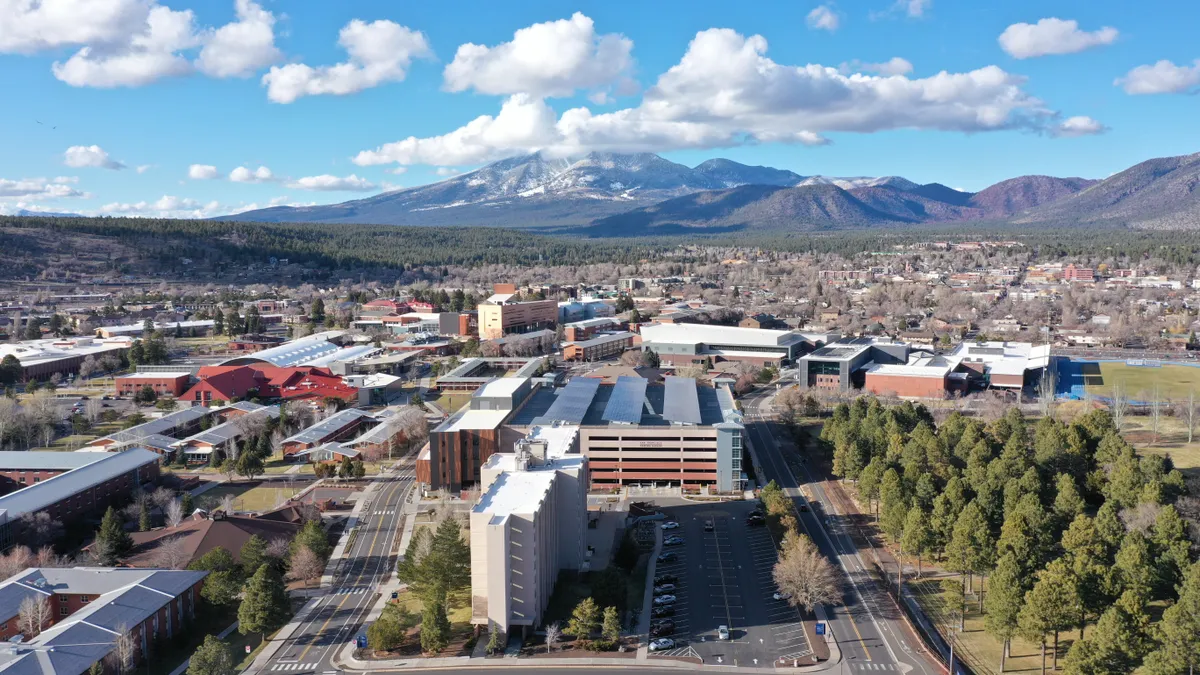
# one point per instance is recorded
(529, 524)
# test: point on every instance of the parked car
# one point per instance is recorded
(664, 600)
(661, 644)
(659, 612)
(664, 588)
(670, 525)
(673, 541)
(756, 522)
(665, 579)
(781, 596)
(804, 508)
(662, 629)
(709, 526)
(722, 632)
(757, 512)
(669, 556)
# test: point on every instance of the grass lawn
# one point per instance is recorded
(1172, 440)
(253, 497)
(1138, 383)
(275, 466)
(460, 606)
(452, 401)
(75, 441)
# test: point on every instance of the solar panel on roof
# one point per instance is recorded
(625, 403)
(681, 403)
(573, 401)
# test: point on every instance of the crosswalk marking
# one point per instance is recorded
(874, 666)
(292, 666)
(384, 513)
(351, 591)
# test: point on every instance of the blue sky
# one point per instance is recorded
(185, 108)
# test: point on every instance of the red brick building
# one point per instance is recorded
(163, 384)
(225, 383)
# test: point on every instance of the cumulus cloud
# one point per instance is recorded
(241, 48)
(167, 206)
(913, 9)
(379, 52)
(329, 183)
(202, 172)
(725, 91)
(446, 171)
(150, 54)
(893, 66)
(397, 170)
(555, 58)
(244, 175)
(1163, 77)
(131, 43)
(39, 188)
(822, 18)
(1052, 36)
(93, 156)
(1078, 126)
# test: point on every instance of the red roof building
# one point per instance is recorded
(225, 383)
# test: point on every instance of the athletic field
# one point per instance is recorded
(1137, 382)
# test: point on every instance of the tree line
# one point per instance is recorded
(1067, 523)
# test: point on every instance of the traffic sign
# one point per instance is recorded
(820, 628)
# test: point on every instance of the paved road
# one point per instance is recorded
(340, 612)
(868, 628)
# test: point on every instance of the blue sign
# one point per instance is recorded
(361, 642)
(820, 628)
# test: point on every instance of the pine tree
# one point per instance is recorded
(1051, 606)
(264, 605)
(917, 535)
(972, 549)
(1024, 534)
(584, 620)
(893, 507)
(1085, 552)
(611, 625)
(312, 536)
(1135, 565)
(1118, 643)
(435, 628)
(144, 523)
(213, 657)
(113, 535)
(1179, 631)
(1068, 503)
(450, 556)
(253, 555)
(1006, 592)
(188, 504)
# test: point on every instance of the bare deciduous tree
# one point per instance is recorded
(174, 513)
(1118, 407)
(17, 560)
(33, 613)
(1156, 412)
(162, 497)
(45, 557)
(39, 528)
(553, 634)
(278, 548)
(124, 650)
(171, 554)
(305, 565)
(227, 503)
(1189, 413)
(807, 576)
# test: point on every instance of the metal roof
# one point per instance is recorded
(330, 425)
(223, 433)
(165, 425)
(348, 354)
(681, 402)
(573, 400)
(625, 404)
(46, 461)
(56, 488)
(291, 353)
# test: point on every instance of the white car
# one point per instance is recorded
(781, 596)
(661, 644)
(722, 632)
(664, 600)
(670, 525)
(664, 588)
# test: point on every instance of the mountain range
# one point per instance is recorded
(608, 194)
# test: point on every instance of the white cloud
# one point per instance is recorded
(39, 188)
(822, 18)
(725, 91)
(1079, 126)
(243, 175)
(202, 172)
(446, 171)
(1052, 36)
(30, 26)
(554, 58)
(397, 170)
(1163, 77)
(167, 206)
(241, 48)
(81, 156)
(149, 55)
(143, 168)
(893, 66)
(914, 8)
(329, 183)
(380, 52)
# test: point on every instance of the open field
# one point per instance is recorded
(460, 606)
(252, 496)
(1173, 381)
(452, 401)
(1172, 441)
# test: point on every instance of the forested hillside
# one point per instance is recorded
(1076, 535)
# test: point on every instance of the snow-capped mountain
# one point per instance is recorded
(850, 183)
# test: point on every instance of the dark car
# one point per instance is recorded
(708, 526)
(662, 631)
(659, 612)
(754, 522)
(665, 579)
(804, 508)
(669, 556)
(756, 512)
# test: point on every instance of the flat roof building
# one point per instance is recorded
(599, 347)
(528, 525)
(500, 315)
(686, 344)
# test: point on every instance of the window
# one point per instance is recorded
(63, 611)
(84, 599)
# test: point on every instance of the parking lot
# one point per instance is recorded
(722, 571)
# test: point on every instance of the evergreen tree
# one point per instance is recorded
(917, 537)
(610, 626)
(213, 657)
(1024, 533)
(972, 549)
(1178, 650)
(1172, 547)
(584, 620)
(224, 580)
(1135, 565)
(1051, 606)
(112, 537)
(1006, 593)
(435, 628)
(1068, 503)
(1118, 643)
(264, 605)
(253, 555)
(1085, 552)
(946, 508)
(317, 313)
(144, 516)
(450, 556)
(893, 507)
(358, 468)
(312, 536)
(250, 464)
(188, 504)
(218, 323)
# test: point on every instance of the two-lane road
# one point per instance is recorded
(341, 609)
(868, 628)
